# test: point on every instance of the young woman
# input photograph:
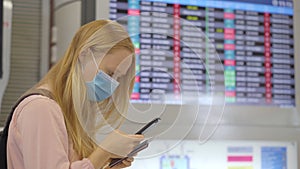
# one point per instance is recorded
(75, 125)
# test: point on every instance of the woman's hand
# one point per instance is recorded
(115, 145)
(125, 163)
(119, 144)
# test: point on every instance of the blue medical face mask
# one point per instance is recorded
(102, 86)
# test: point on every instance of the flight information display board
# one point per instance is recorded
(178, 42)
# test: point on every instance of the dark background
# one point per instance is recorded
(1, 39)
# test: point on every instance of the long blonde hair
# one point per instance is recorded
(68, 87)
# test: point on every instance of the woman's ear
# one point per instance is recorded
(83, 56)
(88, 66)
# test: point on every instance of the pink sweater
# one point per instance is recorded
(38, 138)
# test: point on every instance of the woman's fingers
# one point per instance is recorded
(125, 163)
(130, 159)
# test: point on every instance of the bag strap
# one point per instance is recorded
(42, 92)
(4, 134)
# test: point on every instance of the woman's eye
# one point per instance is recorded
(111, 74)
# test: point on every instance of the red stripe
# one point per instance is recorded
(228, 15)
(229, 62)
(134, 12)
(229, 47)
(229, 31)
(239, 158)
(135, 96)
(137, 78)
(137, 51)
(230, 94)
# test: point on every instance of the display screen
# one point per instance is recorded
(179, 44)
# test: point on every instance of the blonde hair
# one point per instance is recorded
(68, 87)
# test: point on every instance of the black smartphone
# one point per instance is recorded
(148, 126)
(138, 148)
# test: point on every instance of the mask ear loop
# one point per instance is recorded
(80, 62)
(94, 60)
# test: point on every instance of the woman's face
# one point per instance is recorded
(115, 63)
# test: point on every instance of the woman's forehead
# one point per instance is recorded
(118, 60)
